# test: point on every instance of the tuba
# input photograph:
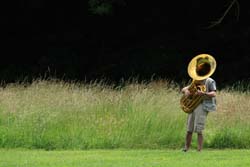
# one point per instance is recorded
(199, 68)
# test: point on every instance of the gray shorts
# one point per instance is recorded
(196, 120)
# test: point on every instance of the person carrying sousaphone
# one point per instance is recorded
(199, 98)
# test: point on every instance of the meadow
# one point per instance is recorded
(58, 115)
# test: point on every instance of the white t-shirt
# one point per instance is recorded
(209, 104)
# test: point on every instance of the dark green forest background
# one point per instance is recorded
(121, 39)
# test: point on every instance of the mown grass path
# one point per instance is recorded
(124, 158)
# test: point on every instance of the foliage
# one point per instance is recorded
(51, 114)
(103, 7)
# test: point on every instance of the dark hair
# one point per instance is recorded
(203, 69)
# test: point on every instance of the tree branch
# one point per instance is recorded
(215, 23)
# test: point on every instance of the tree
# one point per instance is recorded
(104, 7)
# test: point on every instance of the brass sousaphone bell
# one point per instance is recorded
(199, 68)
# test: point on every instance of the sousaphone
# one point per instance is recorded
(199, 68)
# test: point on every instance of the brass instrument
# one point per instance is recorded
(199, 68)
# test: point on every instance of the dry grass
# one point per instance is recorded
(56, 114)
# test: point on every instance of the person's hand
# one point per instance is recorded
(187, 92)
(200, 93)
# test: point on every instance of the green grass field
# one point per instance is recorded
(124, 158)
(56, 115)
(59, 124)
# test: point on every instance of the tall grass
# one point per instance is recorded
(59, 115)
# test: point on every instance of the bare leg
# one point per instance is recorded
(188, 141)
(200, 141)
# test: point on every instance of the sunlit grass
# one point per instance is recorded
(124, 158)
(59, 115)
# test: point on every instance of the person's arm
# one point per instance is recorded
(207, 94)
(212, 90)
(210, 94)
